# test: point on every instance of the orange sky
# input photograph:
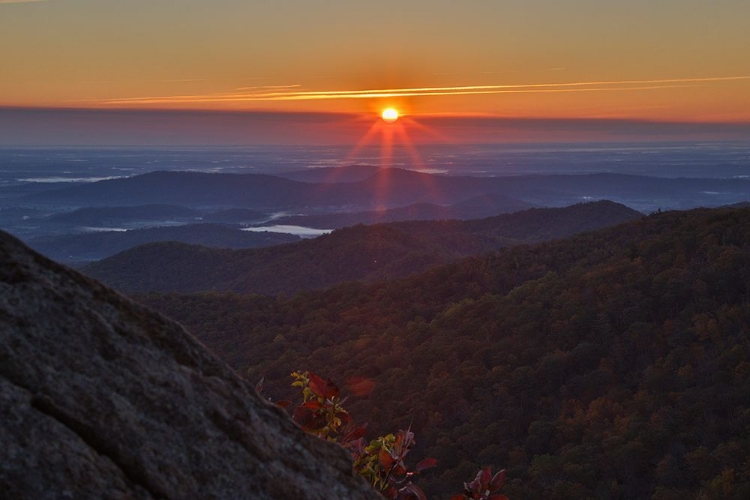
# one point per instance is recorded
(666, 60)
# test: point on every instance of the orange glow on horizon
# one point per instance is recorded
(651, 61)
(712, 98)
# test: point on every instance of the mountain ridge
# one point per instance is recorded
(357, 253)
(392, 188)
(473, 208)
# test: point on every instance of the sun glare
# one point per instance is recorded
(389, 115)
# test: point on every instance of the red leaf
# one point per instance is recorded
(303, 416)
(497, 481)
(283, 403)
(308, 419)
(355, 433)
(485, 476)
(325, 389)
(476, 484)
(312, 405)
(389, 492)
(404, 440)
(385, 459)
(425, 464)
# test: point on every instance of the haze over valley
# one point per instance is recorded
(106, 201)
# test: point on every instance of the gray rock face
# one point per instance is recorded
(102, 398)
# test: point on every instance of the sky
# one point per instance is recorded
(478, 66)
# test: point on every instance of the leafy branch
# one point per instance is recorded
(381, 461)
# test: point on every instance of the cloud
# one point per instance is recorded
(295, 93)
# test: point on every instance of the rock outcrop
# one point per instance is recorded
(103, 398)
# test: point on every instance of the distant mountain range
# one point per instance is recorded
(83, 247)
(236, 216)
(108, 216)
(388, 188)
(348, 173)
(481, 206)
(357, 253)
(322, 198)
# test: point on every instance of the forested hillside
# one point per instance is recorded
(613, 364)
(366, 253)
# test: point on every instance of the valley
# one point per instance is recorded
(593, 348)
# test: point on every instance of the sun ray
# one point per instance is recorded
(416, 158)
(391, 135)
(434, 196)
(383, 184)
(412, 123)
(364, 140)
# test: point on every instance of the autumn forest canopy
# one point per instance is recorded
(612, 364)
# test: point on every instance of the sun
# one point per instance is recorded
(389, 115)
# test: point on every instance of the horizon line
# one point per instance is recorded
(363, 115)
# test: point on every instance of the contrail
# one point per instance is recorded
(289, 92)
